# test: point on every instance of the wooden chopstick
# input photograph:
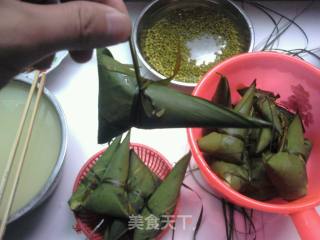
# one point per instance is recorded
(13, 151)
(16, 177)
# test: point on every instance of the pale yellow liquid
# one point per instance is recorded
(44, 146)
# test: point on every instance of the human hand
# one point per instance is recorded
(32, 33)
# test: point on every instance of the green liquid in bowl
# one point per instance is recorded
(44, 147)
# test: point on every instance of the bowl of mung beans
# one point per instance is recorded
(185, 39)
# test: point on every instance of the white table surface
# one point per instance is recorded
(76, 88)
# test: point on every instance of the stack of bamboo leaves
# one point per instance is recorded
(260, 163)
(120, 186)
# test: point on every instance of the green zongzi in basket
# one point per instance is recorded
(120, 188)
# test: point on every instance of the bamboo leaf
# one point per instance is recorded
(235, 175)
(141, 183)
(244, 108)
(110, 197)
(93, 178)
(222, 95)
(222, 146)
(163, 200)
(288, 174)
(264, 140)
(296, 137)
(118, 96)
(182, 110)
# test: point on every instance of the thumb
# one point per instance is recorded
(77, 25)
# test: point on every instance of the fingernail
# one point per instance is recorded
(118, 27)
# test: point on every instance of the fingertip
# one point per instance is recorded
(118, 27)
(81, 56)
